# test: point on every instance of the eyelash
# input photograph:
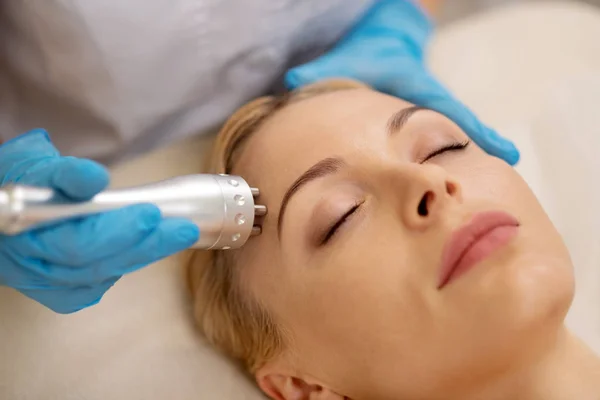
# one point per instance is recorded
(457, 146)
(450, 147)
(334, 228)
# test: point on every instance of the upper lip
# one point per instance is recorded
(466, 236)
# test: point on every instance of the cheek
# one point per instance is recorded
(492, 182)
(364, 311)
(484, 178)
(527, 292)
(489, 182)
(495, 183)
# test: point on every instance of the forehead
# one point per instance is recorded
(303, 133)
(294, 139)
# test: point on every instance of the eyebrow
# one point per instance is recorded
(330, 166)
(323, 168)
(399, 119)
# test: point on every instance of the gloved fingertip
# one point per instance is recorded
(180, 233)
(503, 148)
(59, 307)
(81, 298)
(292, 80)
(296, 78)
(80, 178)
(91, 303)
(72, 309)
(148, 215)
(188, 234)
(512, 155)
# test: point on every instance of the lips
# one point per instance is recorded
(474, 242)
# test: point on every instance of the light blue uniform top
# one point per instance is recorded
(112, 78)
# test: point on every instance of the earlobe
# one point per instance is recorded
(282, 387)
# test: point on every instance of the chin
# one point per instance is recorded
(537, 277)
(510, 309)
(539, 290)
(518, 316)
(523, 298)
(545, 288)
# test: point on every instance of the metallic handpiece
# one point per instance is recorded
(221, 205)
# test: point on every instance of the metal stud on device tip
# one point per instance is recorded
(255, 192)
(256, 230)
(260, 211)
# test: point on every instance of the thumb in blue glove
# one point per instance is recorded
(69, 266)
(385, 50)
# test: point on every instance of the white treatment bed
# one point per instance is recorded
(532, 71)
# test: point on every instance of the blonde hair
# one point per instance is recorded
(230, 318)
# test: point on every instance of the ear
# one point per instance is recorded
(280, 386)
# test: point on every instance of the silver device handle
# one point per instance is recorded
(222, 206)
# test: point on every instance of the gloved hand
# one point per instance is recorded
(385, 50)
(69, 266)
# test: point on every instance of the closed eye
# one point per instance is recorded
(457, 146)
(335, 227)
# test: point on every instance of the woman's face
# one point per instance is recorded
(362, 208)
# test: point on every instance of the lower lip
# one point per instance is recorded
(483, 248)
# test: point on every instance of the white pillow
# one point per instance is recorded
(528, 70)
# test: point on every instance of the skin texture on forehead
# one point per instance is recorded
(302, 124)
(366, 304)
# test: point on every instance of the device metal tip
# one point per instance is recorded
(255, 192)
(260, 211)
(256, 230)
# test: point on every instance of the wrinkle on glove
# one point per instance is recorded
(386, 51)
(70, 265)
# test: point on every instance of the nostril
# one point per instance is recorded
(451, 188)
(424, 204)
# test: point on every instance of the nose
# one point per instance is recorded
(427, 192)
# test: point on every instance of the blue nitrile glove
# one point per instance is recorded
(69, 266)
(385, 50)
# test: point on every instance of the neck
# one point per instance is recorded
(568, 369)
